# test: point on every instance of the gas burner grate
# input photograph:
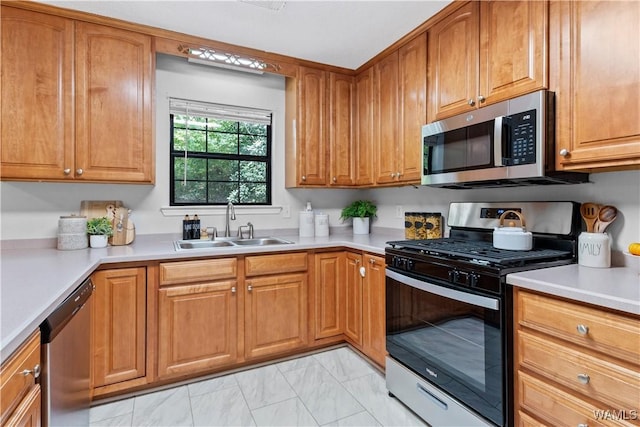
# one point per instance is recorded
(479, 250)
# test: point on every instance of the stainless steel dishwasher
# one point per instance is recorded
(66, 361)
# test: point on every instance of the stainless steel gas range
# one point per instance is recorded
(449, 310)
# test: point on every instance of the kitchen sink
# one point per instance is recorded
(225, 242)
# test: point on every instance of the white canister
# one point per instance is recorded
(594, 250)
(72, 233)
(306, 224)
(322, 225)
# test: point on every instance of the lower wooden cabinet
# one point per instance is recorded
(20, 402)
(197, 327)
(574, 364)
(118, 327)
(373, 309)
(330, 307)
(353, 299)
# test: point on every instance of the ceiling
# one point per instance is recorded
(340, 33)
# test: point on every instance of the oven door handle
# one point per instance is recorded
(466, 297)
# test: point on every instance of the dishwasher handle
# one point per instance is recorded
(57, 320)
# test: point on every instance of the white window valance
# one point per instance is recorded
(219, 111)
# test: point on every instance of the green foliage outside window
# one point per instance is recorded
(225, 161)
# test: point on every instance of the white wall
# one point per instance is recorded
(31, 210)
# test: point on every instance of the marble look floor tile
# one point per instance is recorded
(211, 385)
(299, 363)
(371, 392)
(117, 421)
(344, 364)
(358, 420)
(291, 412)
(225, 407)
(111, 410)
(322, 394)
(264, 386)
(163, 408)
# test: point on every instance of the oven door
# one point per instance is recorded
(452, 338)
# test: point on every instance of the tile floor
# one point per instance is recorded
(334, 388)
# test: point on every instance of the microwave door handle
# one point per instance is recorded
(498, 142)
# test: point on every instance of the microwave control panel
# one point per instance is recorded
(521, 143)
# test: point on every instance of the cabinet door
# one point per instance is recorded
(329, 294)
(453, 63)
(275, 314)
(353, 299)
(114, 110)
(341, 141)
(598, 82)
(29, 413)
(311, 139)
(118, 325)
(373, 309)
(513, 48)
(413, 108)
(197, 327)
(364, 128)
(36, 123)
(386, 119)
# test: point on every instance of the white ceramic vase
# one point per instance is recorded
(98, 240)
(361, 225)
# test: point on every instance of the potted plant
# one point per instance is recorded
(361, 211)
(99, 230)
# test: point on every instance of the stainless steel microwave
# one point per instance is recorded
(510, 143)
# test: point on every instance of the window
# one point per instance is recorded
(219, 154)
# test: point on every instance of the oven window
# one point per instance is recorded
(461, 149)
(456, 345)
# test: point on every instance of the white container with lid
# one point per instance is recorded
(322, 225)
(306, 224)
(72, 233)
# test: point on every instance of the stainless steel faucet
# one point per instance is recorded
(232, 217)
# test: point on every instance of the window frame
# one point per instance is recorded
(179, 155)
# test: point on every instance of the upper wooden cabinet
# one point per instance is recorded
(341, 128)
(595, 72)
(486, 52)
(109, 137)
(364, 147)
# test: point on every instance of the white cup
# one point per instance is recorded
(322, 225)
(594, 250)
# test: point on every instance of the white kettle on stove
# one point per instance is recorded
(510, 236)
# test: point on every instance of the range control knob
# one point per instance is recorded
(473, 280)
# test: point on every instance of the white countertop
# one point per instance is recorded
(33, 282)
(617, 288)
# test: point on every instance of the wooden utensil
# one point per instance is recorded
(606, 215)
(589, 212)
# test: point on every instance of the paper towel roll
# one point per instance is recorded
(306, 224)
(322, 225)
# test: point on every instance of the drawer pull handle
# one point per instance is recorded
(582, 329)
(35, 371)
(426, 393)
(583, 378)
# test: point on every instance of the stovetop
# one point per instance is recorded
(479, 251)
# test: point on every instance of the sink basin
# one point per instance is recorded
(261, 241)
(227, 242)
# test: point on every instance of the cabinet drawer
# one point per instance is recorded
(615, 385)
(558, 408)
(612, 334)
(172, 273)
(14, 384)
(275, 264)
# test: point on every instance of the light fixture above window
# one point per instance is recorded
(217, 58)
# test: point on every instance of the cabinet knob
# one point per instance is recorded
(357, 261)
(583, 425)
(249, 288)
(304, 177)
(372, 261)
(471, 102)
(481, 99)
(334, 179)
(564, 152)
(393, 175)
(583, 378)
(582, 329)
(67, 171)
(398, 174)
(35, 371)
(79, 171)
(233, 289)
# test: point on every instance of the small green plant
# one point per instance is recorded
(359, 209)
(100, 225)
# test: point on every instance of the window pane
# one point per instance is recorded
(196, 168)
(253, 171)
(253, 145)
(227, 126)
(197, 141)
(178, 139)
(223, 192)
(253, 129)
(223, 143)
(224, 170)
(253, 193)
(192, 192)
